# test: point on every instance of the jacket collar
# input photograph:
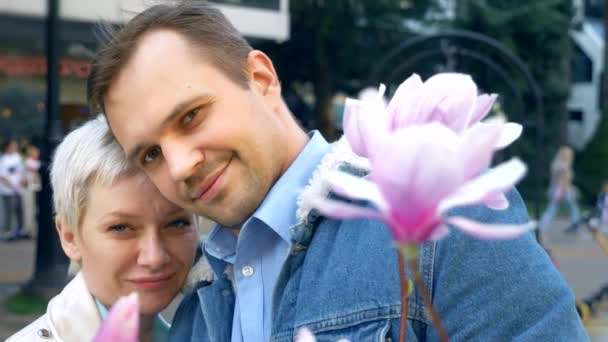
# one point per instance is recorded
(74, 301)
(341, 156)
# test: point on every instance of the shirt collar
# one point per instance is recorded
(278, 210)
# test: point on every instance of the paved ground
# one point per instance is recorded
(580, 260)
(584, 266)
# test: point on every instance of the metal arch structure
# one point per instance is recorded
(474, 53)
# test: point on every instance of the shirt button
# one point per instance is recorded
(247, 271)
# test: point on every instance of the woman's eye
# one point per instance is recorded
(118, 228)
(180, 224)
(187, 119)
(151, 155)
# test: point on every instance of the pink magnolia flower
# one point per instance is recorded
(448, 98)
(122, 322)
(419, 173)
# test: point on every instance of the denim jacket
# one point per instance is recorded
(341, 279)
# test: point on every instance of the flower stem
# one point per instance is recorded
(404, 297)
(413, 266)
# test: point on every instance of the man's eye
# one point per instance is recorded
(181, 224)
(187, 119)
(151, 155)
(118, 228)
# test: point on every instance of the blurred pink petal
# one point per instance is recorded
(122, 322)
(449, 98)
(439, 233)
(490, 231)
(356, 188)
(342, 210)
(496, 201)
(482, 108)
(511, 131)
(407, 164)
(304, 335)
(363, 120)
(494, 181)
(400, 108)
(355, 126)
(477, 147)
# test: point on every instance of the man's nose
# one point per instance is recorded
(182, 158)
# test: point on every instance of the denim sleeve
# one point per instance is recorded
(501, 290)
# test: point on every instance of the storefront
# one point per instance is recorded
(23, 61)
(23, 72)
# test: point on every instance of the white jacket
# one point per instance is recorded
(71, 316)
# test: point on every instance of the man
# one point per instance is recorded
(201, 113)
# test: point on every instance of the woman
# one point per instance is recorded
(121, 236)
(561, 189)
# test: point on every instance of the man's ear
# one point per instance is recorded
(68, 240)
(262, 75)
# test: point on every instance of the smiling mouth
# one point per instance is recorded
(209, 182)
(152, 282)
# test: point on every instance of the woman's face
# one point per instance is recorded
(132, 239)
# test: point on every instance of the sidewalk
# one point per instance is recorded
(584, 266)
(17, 264)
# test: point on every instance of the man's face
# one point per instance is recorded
(210, 145)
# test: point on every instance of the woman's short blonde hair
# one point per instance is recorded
(87, 155)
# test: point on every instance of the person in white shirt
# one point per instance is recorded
(12, 181)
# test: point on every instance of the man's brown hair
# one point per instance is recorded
(203, 26)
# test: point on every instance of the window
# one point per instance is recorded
(582, 67)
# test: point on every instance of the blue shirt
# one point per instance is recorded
(263, 245)
(161, 327)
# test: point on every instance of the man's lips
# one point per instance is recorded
(209, 181)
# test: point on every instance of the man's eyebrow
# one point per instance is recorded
(177, 110)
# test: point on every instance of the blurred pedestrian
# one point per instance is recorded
(32, 187)
(11, 187)
(561, 190)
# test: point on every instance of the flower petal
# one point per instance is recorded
(496, 201)
(449, 98)
(305, 335)
(342, 210)
(490, 231)
(354, 126)
(440, 232)
(400, 108)
(510, 132)
(494, 181)
(482, 108)
(413, 167)
(122, 322)
(478, 145)
(356, 188)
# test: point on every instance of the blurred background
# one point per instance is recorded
(545, 59)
